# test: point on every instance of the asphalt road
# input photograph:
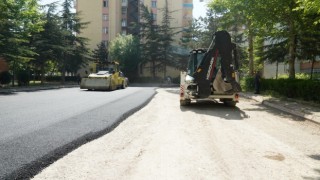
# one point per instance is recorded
(37, 128)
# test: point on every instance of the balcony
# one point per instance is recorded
(124, 3)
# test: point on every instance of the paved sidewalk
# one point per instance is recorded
(306, 110)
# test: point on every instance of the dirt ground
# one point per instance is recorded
(201, 141)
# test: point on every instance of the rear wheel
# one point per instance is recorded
(111, 85)
(230, 103)
(185, 102)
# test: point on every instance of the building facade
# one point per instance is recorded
(108, 18)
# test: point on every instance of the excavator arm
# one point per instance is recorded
(221, 47)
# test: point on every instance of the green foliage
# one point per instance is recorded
(100, 54)
(166, 39)
(150, 40)
(18, 20)
(156, 41)
(247, 83)
(5, 77)
(310, 7)
(47, 43)
(199, 32)
(30, 39)
(74, 53)
(58, 78)
(292, 88)
(280, 21)
(125, 48)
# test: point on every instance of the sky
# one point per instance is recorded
(199, 8)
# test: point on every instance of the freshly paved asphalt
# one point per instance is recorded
(37, 128)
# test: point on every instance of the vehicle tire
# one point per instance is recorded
(230, 103)
(185, 102)
(123, 86)
(111, 85)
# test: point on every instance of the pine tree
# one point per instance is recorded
(100, 55)
(75, 52)
(150, 42)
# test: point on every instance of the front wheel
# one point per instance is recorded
(123, 86)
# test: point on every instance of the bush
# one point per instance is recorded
(247, 83)
(23, 78)
(5, 77)
(58, 78)
(308, 90)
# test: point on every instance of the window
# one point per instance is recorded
(105, 17)
(105, 30)
(124, 2)
(105, 42)
(153, 4)
(124, 10)
(154, 17)
(105, 3)
(124, 32)
(123, 23)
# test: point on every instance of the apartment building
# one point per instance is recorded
(108, 18)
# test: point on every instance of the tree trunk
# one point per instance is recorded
(164, 70)
(63, 73)
(312, 67)
(42, 73)
(250, 50)
(292, 50)
(13, 72)
(277, 69)
(153, 69)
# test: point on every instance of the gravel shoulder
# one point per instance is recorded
(201, 141)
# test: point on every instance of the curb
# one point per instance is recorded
(284, 109)
(32, 89)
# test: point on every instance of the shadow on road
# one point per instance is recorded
(315, 156)
(216, 109)
(313, 178)
(7, 93)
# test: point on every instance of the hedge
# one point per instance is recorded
(23, 78)
(58, 78)
(5, 77)
(308, 90)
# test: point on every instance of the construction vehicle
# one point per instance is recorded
(110, 78)
(212, 73)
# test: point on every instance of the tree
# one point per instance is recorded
(166, 39)
(125, 48)
(310, 7)
(18, 20)
(233, 16)
(308, 39)
(48, 42)
(281, 22)
(200, 31)
(100, 54)
(274, 52)
(73, 56)
(149, 40)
